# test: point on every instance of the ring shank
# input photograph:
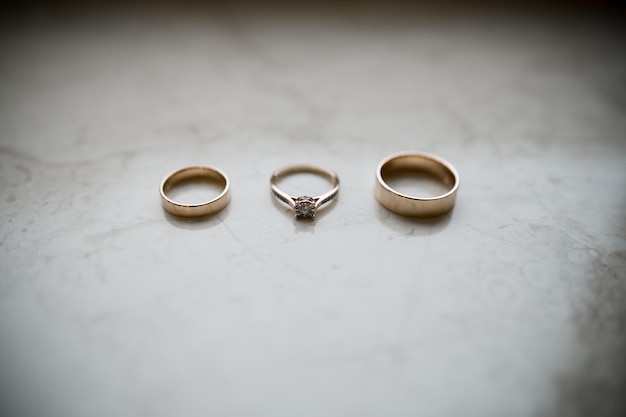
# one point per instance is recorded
(413, 206)
(298, 169)
(201, 173)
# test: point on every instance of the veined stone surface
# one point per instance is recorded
(512, 305)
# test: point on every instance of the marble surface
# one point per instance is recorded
(513, 305)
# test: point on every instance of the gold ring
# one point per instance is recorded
(304, 207)
(201, 209)
(407, 205)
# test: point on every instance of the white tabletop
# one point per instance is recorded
(512, 305)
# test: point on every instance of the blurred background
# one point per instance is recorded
(513, 305)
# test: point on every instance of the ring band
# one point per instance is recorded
(304, 207)
(407, 205)
(200, 209)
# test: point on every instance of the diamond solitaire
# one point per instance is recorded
(305, 208)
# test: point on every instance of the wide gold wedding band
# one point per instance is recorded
(199, 173)
(415, 206)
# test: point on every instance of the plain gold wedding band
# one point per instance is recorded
(413, 206)
(201, 209)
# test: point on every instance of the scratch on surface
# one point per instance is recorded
(96, 237)
(241, 242)
(354, 207)
(503, 240)
(5, 237)
(298, 271)
(26, 172)
(408, 307)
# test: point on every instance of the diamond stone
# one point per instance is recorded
(305, 208)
